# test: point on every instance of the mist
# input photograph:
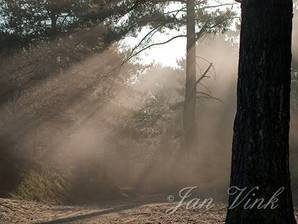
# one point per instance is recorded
(84, 122)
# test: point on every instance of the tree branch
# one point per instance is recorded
(153, 45)
(204, 75)
(208, 96)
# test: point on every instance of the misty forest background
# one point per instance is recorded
(83, 119)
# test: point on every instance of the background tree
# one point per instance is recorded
(189, 115)
(199, 18)
(261, 131)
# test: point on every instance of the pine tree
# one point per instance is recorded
(261, 131)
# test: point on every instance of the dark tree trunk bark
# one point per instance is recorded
(261, 130)
(189, 116)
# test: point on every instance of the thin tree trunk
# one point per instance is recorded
(189, 116)
(53, 23)
(261, 130)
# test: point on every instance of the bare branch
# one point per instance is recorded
(208, 96)
(204, 59)
(153, 45)
(204, 75)
(150, 33)
(209, 62)
(220, 5)
(141, 41)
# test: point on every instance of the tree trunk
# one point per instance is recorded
(261, 130)
(189, 115)
(54, 18)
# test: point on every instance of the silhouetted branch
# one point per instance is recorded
(204, 75)
(208, 96)
(153, 45)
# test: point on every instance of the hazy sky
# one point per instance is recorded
(169, 53)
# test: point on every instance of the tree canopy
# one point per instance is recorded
(26, 21)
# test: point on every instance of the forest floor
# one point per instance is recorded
(13, 211)
(23, 212)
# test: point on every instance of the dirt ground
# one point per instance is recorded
(13, 211)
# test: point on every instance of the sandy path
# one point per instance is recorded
(12, 211)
